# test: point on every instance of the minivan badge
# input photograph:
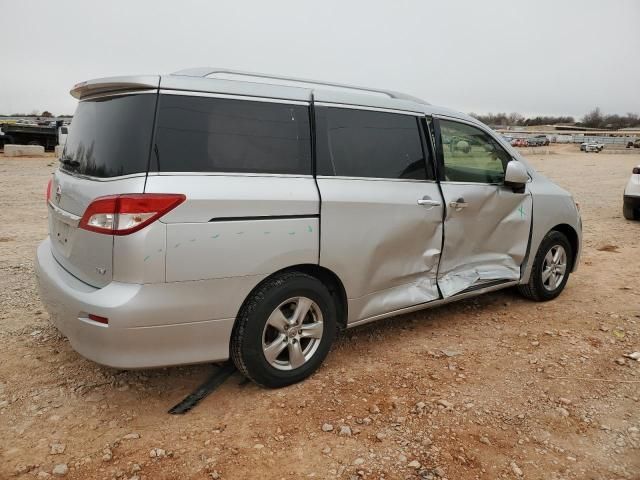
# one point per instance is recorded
(58, 193)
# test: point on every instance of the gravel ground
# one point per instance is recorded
(493, 387)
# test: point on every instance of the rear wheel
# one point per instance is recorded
(550, 270)
(284, 330)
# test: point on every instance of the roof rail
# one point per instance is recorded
(207, 71)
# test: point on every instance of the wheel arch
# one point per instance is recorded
(326, 276)
(571, 234)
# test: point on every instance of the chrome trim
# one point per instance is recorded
(374, 109)
(230, 174)
(101, 179)
(118, 93)
(374, 179)
(451, 182)
(190, 93)
(434, 303)
(64, 216)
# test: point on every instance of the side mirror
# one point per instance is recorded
(516, 176)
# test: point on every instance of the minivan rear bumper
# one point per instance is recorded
(143, 329)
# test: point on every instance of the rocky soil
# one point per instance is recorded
(489, 388)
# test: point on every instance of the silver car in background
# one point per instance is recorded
(212, 214)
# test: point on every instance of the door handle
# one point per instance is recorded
(428, 202)
(459, 204)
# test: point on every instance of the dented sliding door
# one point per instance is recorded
(487, 224)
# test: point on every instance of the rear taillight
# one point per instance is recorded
(48, 194)
(125, 214)
(636, 170)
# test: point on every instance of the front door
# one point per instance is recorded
(487, 224)
(381, 211)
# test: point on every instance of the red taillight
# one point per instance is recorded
(98, 318)
(125, 214)
(48, 194)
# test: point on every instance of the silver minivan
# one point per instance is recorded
(212, 214)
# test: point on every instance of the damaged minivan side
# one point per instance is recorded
(210, 215)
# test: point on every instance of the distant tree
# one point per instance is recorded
(47, 114)
(593, 119)
(515, 118)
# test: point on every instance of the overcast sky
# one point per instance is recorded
(533, 57)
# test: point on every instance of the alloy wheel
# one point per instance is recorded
(554, 267)
(292, 333)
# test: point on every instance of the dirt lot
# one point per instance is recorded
(495, 387)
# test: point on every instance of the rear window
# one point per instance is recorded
(363, 143)
(205, 134)
(110, 136)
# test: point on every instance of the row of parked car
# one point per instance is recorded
(536, 141)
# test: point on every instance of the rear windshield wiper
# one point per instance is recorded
(68, 162)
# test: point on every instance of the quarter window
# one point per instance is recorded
(363, 143)
(204, 134)
(471, 155)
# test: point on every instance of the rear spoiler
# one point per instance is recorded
(114, 84)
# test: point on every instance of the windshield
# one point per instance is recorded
(110, 136)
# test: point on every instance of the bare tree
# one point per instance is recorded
(593, 119)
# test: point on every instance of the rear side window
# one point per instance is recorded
(110, 136)
(204, 134)
(363, 143)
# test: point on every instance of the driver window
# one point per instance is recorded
(471, 155)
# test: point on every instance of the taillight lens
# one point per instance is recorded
(48, 194)
(125, 214)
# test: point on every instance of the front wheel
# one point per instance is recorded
(284, 330)
(628, 212)
(550, 270)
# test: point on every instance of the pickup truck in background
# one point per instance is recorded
(538, 141)
(47, 136)
(592, 146)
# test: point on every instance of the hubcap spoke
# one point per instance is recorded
(296, 357)
(311, 330)
(562, 268)
(548, 258)
(275, 348)
(554, 267)
(278, 321)
(302, 308)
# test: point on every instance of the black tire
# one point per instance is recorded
(628, 212)
(247, 337)
(35, 143)
(535, 289)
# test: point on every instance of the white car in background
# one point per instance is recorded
(592, 146)
(631, 200)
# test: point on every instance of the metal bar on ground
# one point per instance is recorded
(216, 379)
